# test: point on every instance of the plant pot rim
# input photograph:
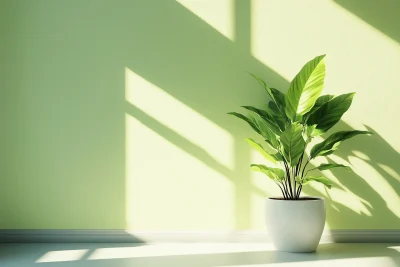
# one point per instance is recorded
(311, 198)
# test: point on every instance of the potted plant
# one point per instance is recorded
(288, 124)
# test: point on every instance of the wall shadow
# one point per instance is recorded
(374, 209)
(78, 136)
(382, 15)
(203, 69)
(178, 57)
(65, 125)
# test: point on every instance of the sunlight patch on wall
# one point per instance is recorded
(349, 200)
(378, 183)
(63, 255)
(397, 248)
(390, 171)
(360, 155)
(183, 120)
(217, 13)
(169, 185)
(343, 197)
(320, 27)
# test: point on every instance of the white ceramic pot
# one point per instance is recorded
(295, 225)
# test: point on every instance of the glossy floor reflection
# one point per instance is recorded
(194, 255)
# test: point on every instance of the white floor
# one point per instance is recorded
(194, 255)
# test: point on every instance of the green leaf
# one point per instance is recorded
(328, 146)
(259, 148)
(279, 118)
(278, 157)
(277, 96)
(305, 88)
(292, 143)
(276, 174)
(273, 108)
(279, 99)
(328, 166)
(266, 132)
(280, 121)
(320, 179)
(330, 113)
(267, 117)
(249, 120)
(320, 101)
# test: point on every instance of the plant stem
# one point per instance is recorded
(304, 168)
(284, 184)
(299, 163)
(298, 168)
(299, 191)
(294, 181)
(280, 187)
(287, 180)
(284, 190)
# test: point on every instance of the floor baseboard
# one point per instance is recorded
(121, 236)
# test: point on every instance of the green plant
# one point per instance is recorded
(290, 121)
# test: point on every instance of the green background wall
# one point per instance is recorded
(114, 112)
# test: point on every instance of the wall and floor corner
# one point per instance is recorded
(114, 112)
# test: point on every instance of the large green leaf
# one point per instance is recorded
(273, 108)
(330, 112)
(273, 173)
(249, 120)
(279, 99)
(267, 117)
(332, 142)
(258, 125)
(280, 118)
(266, 132)
(292, 143)
(280, 121)
(277, 96)
(320, 101)
(270, 157)
(320, 179)
(328, 166)
(305, 88)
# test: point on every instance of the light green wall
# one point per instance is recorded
(114, 112)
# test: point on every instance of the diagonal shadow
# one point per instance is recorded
(201, 68)
(166, 44)
(381, 213)
(189, 147)
(382, 15)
